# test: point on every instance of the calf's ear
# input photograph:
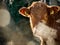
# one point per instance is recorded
(24, 11)
(53, 9)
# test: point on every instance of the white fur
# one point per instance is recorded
(45, 32)
(4, 17)
(58, 21)
(10, 43)
(31, 43)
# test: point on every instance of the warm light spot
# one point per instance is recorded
(52, 12)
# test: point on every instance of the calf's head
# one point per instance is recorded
(38, 12)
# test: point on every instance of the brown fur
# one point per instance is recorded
(40, 12)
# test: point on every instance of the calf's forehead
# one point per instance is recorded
(37, 8)
(35, 4)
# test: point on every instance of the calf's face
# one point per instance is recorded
(38, 12)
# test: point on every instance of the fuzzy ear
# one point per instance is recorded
(24, 11)
(53, 9)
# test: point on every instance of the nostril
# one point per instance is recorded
(3, 41)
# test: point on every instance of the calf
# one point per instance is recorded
(44, 21)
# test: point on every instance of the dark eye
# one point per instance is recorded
(28, 11)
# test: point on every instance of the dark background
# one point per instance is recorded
(17, 4)
(23, 22)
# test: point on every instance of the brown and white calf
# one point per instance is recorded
(44, 21)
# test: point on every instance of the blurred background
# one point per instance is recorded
(15, 5)
(23, 22)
